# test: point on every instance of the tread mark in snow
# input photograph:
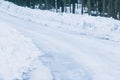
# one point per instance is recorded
(63, 67)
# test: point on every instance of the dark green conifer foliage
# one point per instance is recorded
(107, 8)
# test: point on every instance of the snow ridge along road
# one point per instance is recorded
(18, 55)
(66, 55)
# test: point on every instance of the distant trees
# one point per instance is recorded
(47, 4)
(107, 8)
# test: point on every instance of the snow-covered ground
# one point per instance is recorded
(42, 45)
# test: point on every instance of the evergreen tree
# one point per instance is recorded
(108, 8)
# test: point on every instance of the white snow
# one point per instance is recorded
(18, 55)
(42, 45)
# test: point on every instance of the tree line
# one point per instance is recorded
(46, 4)
(107, 8)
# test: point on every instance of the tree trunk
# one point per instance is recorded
(111, 8)
(103, 7)
(82, 6)
(89, 7)
(56, 6)
(73, 6)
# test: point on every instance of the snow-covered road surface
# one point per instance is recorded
(64, 54)
(17, 54)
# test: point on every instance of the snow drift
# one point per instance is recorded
(100, 27)
(17, 53)
(35, 44)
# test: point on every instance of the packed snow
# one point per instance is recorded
(18, 55)
(42, 45)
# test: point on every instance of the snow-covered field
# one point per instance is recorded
(42, 45)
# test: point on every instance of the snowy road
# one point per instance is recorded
(56, 48)
(67, 56)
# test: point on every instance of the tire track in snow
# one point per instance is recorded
(61, 64)
(57, 49)
(51, 45)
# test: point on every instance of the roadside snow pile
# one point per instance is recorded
(17, 54)
(104, 28)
